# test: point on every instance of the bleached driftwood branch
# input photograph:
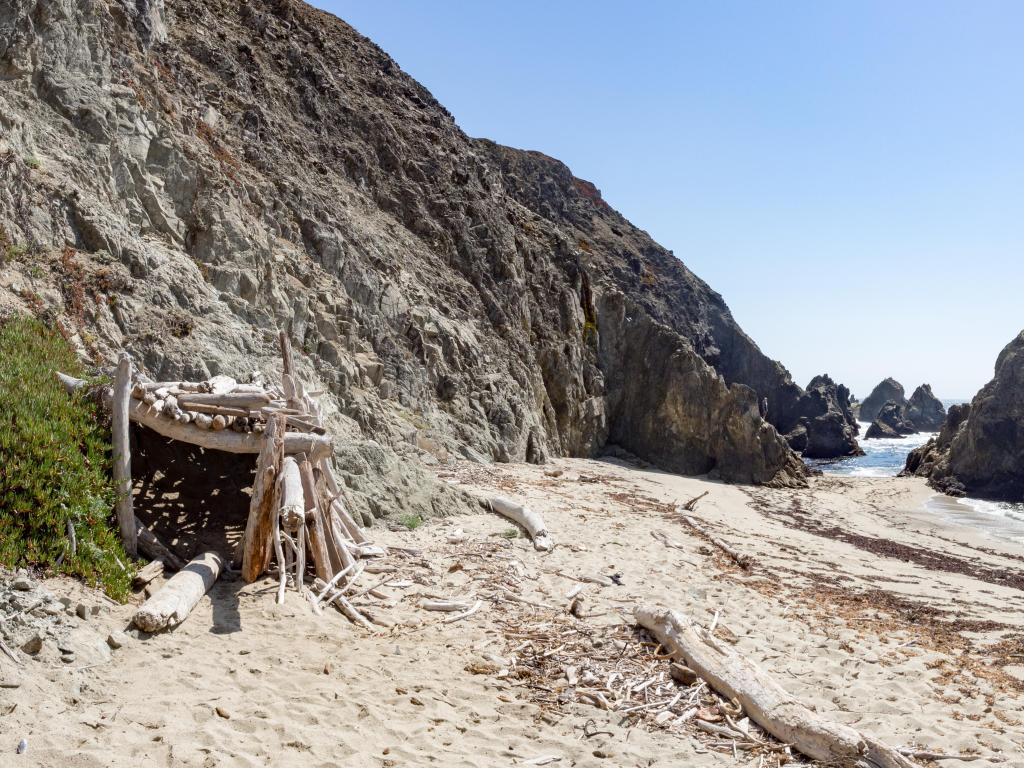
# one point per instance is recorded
(122, 470)
(764, 700)
(525, 517)
(173, 602)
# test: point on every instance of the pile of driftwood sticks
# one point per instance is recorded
(297, 513)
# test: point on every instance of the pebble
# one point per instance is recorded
(117, 639)
(67, 658)
(23, 584)
(33, 645)
(82, 612)
(223, 712)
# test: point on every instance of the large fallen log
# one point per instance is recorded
(763, 700)
(173, 602)
(525, 517)
(229, 400)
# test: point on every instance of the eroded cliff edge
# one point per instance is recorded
(182, 179)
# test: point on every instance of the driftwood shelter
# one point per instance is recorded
(296, 512)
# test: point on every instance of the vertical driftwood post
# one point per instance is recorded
(318, 537)
(122, 454)
(259, 530)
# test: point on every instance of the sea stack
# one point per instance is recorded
(925, 410)
(891, 422)
(824, 426)
(888, 390)
(980, 450)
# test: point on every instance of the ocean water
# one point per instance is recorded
(886, 458)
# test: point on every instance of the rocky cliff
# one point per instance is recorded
(182, 179)
(925, 410)
(980, 449)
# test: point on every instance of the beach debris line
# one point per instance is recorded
(764, 701)
(526, 518)
(297, 513)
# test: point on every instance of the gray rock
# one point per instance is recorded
(890, 422)
(980, 449)
(888, 390)
(23, 584)
(117, 639)
(34, 644)
(82, 611)
(925, 410)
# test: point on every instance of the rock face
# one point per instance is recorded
(887, 391)
(925, 410)
(980, 449)
(825, 425)
(182, 179)
(890, 422)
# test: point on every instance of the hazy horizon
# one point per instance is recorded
(847, 177)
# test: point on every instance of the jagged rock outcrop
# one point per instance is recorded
(888, 390)
(826, 427)
(980, 449)
(890, 422)
(925, 410)
(182, 179)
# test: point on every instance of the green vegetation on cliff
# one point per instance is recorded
(54, 465)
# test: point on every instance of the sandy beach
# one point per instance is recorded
(866, 606)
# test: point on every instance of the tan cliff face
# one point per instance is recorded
(183, 179)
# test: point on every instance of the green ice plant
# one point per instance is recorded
(54, 465)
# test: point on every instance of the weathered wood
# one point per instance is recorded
(764, 700)
(173, 602)
(316, 446)
(243, 400)
(146, 574)
(153, 548)
(119, 406)
(314, 524)
(286, 353)
(259, 529)
(216, 410)
(741, 559)
(531, 521)
(293, 505)
(338, 508)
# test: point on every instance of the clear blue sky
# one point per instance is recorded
(850, 176)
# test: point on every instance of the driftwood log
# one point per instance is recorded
(525, 517)
(122, 471)
(154, 549)
(175, 600)
(259, 528)
(764, 700)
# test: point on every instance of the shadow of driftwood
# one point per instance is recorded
(194, 500)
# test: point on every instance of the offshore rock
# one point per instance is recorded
(887, 391)
(890, 422)
(826, 427)
(925, 410)
(980, 449)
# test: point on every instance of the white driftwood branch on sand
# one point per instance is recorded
(764, 700)
(173, 602)
(532, 522)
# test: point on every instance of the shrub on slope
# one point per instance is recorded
(54, 464)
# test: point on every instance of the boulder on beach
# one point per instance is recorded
(925, 410)
(980, 449)
(825, 425)
(887, 391)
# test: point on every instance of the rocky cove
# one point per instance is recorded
(216, 195)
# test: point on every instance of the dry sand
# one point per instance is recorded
(869, 608)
